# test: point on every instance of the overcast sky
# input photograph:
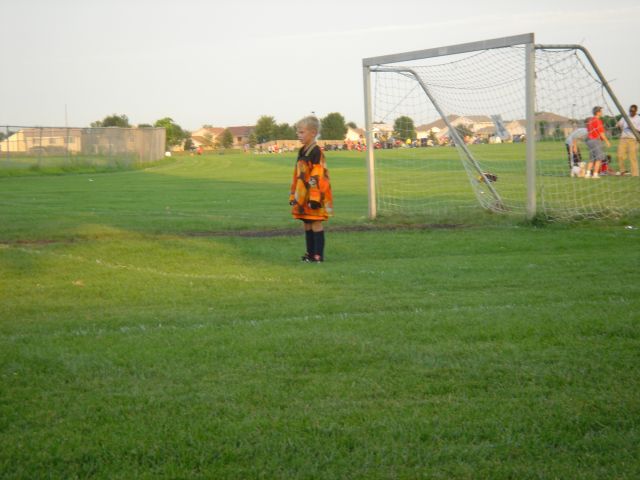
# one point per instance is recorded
(228, 62)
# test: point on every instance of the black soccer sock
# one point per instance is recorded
(309, 239)
(318, 243)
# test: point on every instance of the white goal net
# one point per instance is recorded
(475, 99)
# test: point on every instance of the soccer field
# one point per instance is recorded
(157, 323)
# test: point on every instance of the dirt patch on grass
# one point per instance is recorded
(287, 232)
(263, 233)
(22, 242)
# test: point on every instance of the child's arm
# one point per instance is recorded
(317, 171)
(292, 190)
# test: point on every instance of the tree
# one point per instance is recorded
(542, 127)
(175, 134)
(404, 128)
(4, 136)
(145, 125)
(333, 127)
(227, 138)
(284, 131)
(209, 139)
(557, 132)
(352, 125)
(113, 121)
(252, 140)
(611, 125)
(464, 131)
(265, 129)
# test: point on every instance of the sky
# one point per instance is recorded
(226, 63)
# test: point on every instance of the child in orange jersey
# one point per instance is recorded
(310, 196)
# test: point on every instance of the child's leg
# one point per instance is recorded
(318, 240)
(308, 236)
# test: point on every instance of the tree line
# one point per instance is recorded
(332, 127)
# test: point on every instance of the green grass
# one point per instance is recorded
(24, 165)
(138, 342)
(438, 185)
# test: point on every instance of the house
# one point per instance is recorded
(439, 128)
(209, 137)
(547, 125)
(516, 128)
(486, 132)
(553, 125)
(480, 121)
(355, 135)
(43, 140)
(206, 137)
(240, 135)
(473, 122)
(381, 131)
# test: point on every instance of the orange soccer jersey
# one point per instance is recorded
(310, 194)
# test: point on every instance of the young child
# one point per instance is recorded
(576, 165)
(310, 197)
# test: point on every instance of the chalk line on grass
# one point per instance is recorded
(143, 270)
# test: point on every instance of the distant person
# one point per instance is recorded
(576, 165)
(595, 136)
(628, 146)
(310, 197)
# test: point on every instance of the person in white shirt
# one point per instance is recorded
(628, 146)
(576, 165)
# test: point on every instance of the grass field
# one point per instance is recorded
(157, 324)
(21, 165)
(432, 181)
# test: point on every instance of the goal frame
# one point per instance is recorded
(382, 64)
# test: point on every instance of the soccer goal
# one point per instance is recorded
(481, 126)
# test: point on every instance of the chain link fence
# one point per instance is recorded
(42, 147)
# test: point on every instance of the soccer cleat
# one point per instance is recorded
(595, 175)
(306, 258)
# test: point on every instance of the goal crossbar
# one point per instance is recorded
(450, 50)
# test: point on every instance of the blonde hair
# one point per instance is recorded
(311, 122)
